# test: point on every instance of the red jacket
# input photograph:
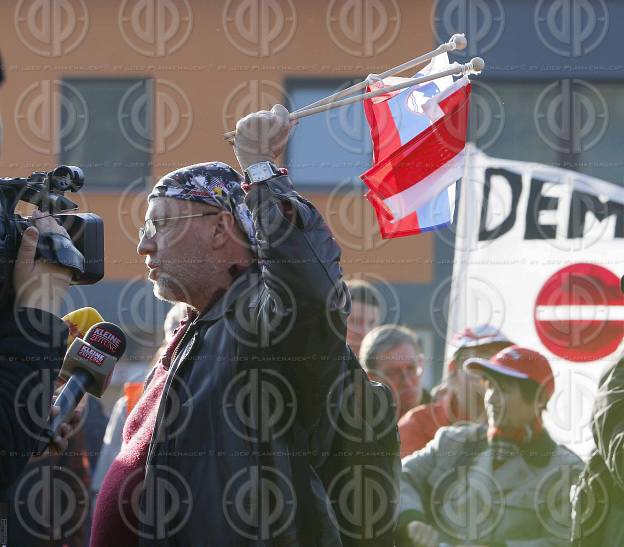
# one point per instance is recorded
(418, 426)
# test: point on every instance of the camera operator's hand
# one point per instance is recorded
(39, 284)
(262, 136)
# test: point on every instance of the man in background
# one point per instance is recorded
(393, 354)
(511, 464)
(461, 398)
(365, 312)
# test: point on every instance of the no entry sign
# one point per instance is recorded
(579, 313)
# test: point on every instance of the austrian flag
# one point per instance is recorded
(419, 137)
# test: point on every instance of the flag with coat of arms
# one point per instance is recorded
(419, 137)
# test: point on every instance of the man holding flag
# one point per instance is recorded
(260, 273)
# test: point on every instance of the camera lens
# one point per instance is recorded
(68, 177)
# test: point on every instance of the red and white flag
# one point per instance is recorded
(419, 136)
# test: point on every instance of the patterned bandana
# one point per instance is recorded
(214, 183)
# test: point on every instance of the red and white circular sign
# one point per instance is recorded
(579, 313)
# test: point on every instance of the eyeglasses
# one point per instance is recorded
(148, 230)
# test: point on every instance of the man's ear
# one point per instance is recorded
(224, 227)
(542, 400)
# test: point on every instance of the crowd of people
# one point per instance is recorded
(256, 278)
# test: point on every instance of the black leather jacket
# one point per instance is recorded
(247, 385)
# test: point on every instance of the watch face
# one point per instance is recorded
(260, 171)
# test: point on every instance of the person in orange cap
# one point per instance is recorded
(502, 483)
(462, 397)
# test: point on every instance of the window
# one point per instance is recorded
(568, 123)
(113, 144)
(502, 122)
(330, 147)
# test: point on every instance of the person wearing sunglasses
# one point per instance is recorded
(259, 271)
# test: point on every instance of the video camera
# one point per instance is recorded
(84, 254)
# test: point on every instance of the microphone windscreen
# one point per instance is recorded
(80, 321)
(107, 337)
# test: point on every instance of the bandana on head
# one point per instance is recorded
(214, 183)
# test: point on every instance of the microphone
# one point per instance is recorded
(80, 321)
(87, 368)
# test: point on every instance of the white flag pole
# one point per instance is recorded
(475, 66)
(457, 42)
(466, 240)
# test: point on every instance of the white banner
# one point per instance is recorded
(539, 252)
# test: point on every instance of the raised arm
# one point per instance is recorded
(296, 249)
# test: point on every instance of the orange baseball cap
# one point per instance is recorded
(516, 362)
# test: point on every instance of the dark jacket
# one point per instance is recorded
(50, 505)
(32, 346)
(242, 422)
(598, 499)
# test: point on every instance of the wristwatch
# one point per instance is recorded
(261, 171)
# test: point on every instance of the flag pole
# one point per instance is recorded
(457, 42)
(475, 65)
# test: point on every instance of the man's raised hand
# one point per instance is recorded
(262, 136)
